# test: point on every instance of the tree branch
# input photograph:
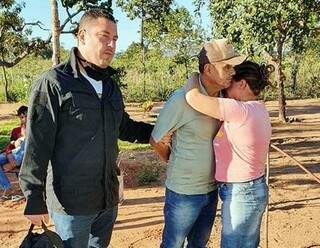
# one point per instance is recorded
(15, 61)
(38, 23)
(69, 19)
(63, 25)
(70, 15)
(29, 49)
(68, 32)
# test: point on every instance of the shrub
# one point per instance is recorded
(148, 173)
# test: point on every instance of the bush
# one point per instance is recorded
(149, 173)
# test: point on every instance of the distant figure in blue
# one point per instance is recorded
(9, 161)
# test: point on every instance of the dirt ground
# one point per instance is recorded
(294, 204)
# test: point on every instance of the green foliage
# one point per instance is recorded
(14, 36)
(5, 131)
(151, 10)
(124, 146)
(21, 76)
(260, 25)
(7, 126)
(173, 37)
(4, 140)
(172, 46)
(182, 38)
(162, 78)
(267, 27)
(149, 172)
(87, 4)
(308, 75)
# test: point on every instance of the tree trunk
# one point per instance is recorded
(6, 93)
(55, 33)
(281, 95)
(294, 72)
(280, 79)
(143, 50)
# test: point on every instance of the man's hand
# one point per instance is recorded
(36, 219)
(166, 140)
(162, 149)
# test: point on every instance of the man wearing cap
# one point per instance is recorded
(191, 192)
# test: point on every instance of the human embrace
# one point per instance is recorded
(219, 146)
(76, 116)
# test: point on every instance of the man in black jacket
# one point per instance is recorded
(75, 118)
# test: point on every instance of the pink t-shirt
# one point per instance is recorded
(242, 143)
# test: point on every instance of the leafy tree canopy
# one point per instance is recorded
(257, 25)
(15, 43)
(87, 4)
(147, 9)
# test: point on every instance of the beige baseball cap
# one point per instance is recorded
(221, 50)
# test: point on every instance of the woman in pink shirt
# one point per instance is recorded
(241, 148)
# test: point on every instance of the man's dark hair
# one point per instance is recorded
(203, 60)
(22, 110)
(256, 76)
(93, 14)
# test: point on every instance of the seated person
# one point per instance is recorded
(14, 158)
(10, 161)
(16, 132)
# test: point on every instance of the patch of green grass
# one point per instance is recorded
(124, 145)
(5, 131)
(7, 126)
(4, 140)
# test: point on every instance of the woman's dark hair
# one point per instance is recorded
(257, 76)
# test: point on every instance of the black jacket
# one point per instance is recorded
(71, 144)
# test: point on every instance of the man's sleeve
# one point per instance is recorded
(134, 131)
(40, 141)
(169, 118)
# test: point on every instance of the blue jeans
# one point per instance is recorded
(4, 181)
(242, 208)
(82, 231)
(17, 154)
(188, 216)
(3, 159)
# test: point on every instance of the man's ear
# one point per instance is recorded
(207, 68)
(81, 37)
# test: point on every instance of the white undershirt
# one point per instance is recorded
(97, 85)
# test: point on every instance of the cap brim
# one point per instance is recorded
(235, 60)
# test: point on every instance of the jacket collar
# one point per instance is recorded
(72, 66)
